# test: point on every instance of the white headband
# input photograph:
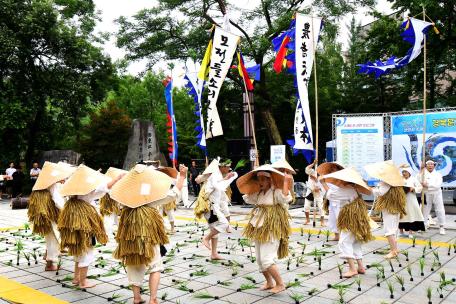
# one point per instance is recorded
(430, 162)
(264, 173)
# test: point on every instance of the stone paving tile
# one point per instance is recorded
(74, 296)
(56, 290)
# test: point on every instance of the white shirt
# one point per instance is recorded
(381, 189)
(433, 180)
(56, 196)
(34, 171)
(341, 195)
(10, 171)
(98, 193)
(216, 186)
(412, 182)
(172, 194)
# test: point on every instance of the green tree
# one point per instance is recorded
(104, 139)
(152, 34)
(50, 71)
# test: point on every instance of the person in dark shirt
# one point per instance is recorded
(194, 172)
(18, 181)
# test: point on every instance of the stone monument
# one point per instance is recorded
(143, 144)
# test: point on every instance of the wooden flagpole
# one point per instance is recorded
(316, 111)
(423, 157)
(252, 125)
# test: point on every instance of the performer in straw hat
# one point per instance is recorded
(353, 219)
(269, 227)
(218, 217)
(109, 208)
(168, 208)
(45, 204)
(413, 220)
(331, 206)
(283, 166)
(141, 228)
(314, 194)
(79, 224)
(432, 183)
(390, 200)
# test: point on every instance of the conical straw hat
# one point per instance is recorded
(327, 168)
(349, 175)
(50, 174)
(283, 164)
(142, 185)
(387, 172)
(83, 181)
(170, 171)
(248, 184)
(213, 167)
(113, 172)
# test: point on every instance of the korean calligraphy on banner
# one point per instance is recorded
(223, 50)
(306, 39)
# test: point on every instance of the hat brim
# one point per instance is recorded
(50, 174)
(248, 184)
(283, 164)
(387, 172)
(171, 172)
(348, 177)
(140, 188)
(327, 168)
(83, 181)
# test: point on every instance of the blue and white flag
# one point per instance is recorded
(414, 32)
(195, 86)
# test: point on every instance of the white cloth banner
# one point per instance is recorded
(223, 50)
(198, 85)
(306, 39)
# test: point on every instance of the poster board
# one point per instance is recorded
(359, 141)
(407, 142)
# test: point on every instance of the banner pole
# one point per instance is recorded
(423, 157)
(316, 110)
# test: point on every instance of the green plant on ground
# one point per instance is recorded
(340, 267)
(327, 233)
(341, 290)
(203, 295)
(422, 263)
(303, 245)
(390, 262)
(358, 282)
(437, 257)
(413, 241)
(294, 283)
(309, 234)
(296, 297)
(429, 294)
(406, 254)
(303, 275)
(378, 276)
(409, 271)
(27, 257)
(390, 288)
(164, 296)
(168, 270)
(429, 243)
(183, 286)
(226, 283)
(401, 281)
(201, 273)
(313, 291)
(250, 278)
(246, 286)
(234, 270)
(19, 247)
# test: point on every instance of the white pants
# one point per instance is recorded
(184, 195)
(52, 247)
(169, 214)
(308, 204)
(334, 209)
(86, 258)
(435, 199)
(266, 254)
(109, 221)
(135, 274)
(224, 208)
(390, 223)
(349, 247)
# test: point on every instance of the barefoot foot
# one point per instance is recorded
(87, 284)
(349, 274)
(361, 270)
(216, 257)
(267, 286)
(277, 289)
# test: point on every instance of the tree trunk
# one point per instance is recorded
(271, 126)
(33, 128)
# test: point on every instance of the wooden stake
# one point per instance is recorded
(316, 111)
(252, 125)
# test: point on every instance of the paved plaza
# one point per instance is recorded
(311, 272)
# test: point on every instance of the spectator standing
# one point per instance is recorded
(9, 179)
(34, 172)
(194, 172)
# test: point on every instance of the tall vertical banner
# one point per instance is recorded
(407, 146)
(306, 39)
(171, 120)
(196, 86)
(223, 49)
